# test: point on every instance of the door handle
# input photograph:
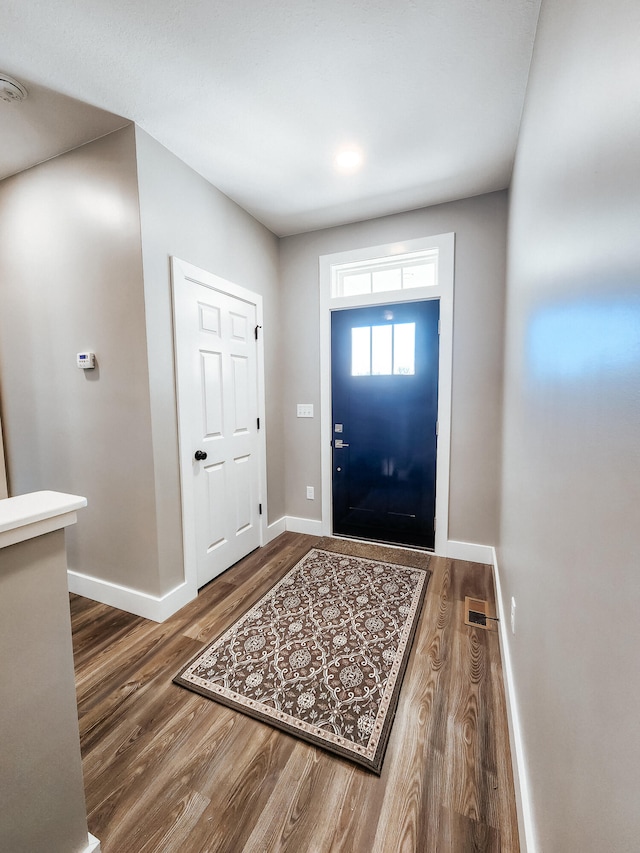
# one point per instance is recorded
(200, 455)
(340, 443)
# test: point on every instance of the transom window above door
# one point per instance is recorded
(386, 275)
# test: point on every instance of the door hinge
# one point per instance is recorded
(437, 427)
(259, 509)
(258, 419)
(256, 331)
(439, 325)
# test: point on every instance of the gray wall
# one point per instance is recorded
(42, 805)
(570, 536)
(85, 242)
(185, 216)
(70, 280)
(480, 227)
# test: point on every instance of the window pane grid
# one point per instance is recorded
(388, 350)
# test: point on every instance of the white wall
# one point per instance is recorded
(570, 535)
(480, 227)
(184, 215)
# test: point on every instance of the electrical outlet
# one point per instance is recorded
(513, 615)
(310, 493)
(305, 410)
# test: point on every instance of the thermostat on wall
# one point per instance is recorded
(86, 360)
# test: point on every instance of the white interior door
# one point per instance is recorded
(218, 413)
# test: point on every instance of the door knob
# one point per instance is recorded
(200, 455)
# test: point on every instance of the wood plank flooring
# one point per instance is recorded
(169, 771)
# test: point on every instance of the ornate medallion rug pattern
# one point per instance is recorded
(322, 654)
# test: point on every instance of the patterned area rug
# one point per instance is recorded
(322, 654)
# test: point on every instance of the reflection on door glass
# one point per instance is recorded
(361, 351)
(404, 349)
(384, 350)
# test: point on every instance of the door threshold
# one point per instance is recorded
(381, 542)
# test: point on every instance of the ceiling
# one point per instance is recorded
(258, 96)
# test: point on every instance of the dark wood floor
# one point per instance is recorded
(167, 770)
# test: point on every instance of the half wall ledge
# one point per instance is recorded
(42, 803)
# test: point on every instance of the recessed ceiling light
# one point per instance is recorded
(349, 159)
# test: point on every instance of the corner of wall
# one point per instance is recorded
(93, 845)
(157, 608)
(518, 763)
(4, 491)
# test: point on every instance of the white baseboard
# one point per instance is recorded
(157, 608)
(93, 845)
(275, 529)
(304, 525)
(469, 551)
(455, 550)
(523, 803)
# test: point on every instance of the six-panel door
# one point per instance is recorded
(224, 428)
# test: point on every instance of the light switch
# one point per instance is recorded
(305, 410)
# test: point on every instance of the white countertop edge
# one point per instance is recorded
(36, 506)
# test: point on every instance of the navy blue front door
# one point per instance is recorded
(384, 374)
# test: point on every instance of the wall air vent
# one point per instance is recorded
(10, 90)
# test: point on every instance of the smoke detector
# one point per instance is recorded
(10, 90)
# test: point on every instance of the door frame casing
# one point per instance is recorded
(443, 290)
(182, 271)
